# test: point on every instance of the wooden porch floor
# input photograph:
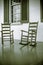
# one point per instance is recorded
(16, 54)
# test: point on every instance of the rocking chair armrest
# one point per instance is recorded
(12, 31)
(0, 31)
(34, 31)
(24, 31)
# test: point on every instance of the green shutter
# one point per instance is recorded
(24, 11)
(41, 3)
(6, 11)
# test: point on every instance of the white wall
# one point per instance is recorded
(17, 30)
(34, 10)
(1, 12)
(34, 15)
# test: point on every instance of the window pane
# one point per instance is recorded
(16, 13)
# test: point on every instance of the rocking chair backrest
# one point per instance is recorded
(5, 32)
(32, 31)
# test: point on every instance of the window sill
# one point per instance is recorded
(17, 23)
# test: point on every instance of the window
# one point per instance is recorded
(16, 11)
(41, 3)
(19, 11)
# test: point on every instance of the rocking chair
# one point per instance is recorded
(30, 38)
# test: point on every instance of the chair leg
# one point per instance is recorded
(33, 45)
(11, 40)
(2, 41)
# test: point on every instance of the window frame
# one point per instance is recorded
(22, 21)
